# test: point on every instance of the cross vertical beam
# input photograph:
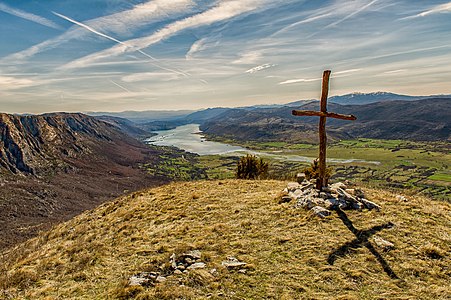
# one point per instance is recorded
(323, 114)
(321, 181)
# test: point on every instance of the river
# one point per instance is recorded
(189, 138)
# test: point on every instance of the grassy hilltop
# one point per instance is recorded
(290, 254)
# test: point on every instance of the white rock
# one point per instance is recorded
(198, 265)
(233, 263)
(161, 279)
(401, 198)
(370, 205)
(337, 185)
(321, 211)
(194, 254)
(292, 186)
(383, 243)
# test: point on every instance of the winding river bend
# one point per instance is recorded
(189, 138)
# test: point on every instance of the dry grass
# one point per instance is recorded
(287, 249)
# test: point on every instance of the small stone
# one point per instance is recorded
(401, 198)
(181, 267)
(386, 245)
(342, 204)
(178, 272)
(189, 260)
(214, 272)
(194, 254)
(173, 262)
(292, 186)
(285, 199)
(300, 177)
(321, 211)
(307, 186)
(331, 203)
(357, 205)
(370, 205)
(337, 185)
(161, 279)
(242, 271)
(233, 263)
(324, 195)
(198, 265)
(305, 202)
(350, 191)
(346, 195)
(143, 279)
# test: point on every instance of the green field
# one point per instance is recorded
(419, 167)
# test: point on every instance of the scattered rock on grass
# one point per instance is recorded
(179, 265)
(233, 263)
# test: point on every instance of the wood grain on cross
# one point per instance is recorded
(323, 114)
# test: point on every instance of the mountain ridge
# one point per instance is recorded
(423, 120)
(53, 166)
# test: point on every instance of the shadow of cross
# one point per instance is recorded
(361, 240)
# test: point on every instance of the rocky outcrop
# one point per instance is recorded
(321, 202)
(29, 144)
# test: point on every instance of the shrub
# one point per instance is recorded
(312, 172)
(251, 167)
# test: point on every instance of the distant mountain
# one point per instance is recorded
(366, 98)
(426, 120)
(54, 166)
(146, 116)
(125, 125)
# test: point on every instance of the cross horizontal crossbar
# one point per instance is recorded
(312, 113)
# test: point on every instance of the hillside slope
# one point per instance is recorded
(423, 120)
(286, 249)
(55, 166)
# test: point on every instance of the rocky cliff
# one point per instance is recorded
(54, 166)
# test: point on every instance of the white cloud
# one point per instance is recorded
(395, 71)
(28, 16)
(346, 71)
(259, 68)
(250, 57)
(11, 83)
(291, 81)
(223, 11)
(442, 8)
(197, 46)
(135, 18)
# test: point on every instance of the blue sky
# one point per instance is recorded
(116, 55)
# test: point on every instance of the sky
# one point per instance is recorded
(117, 55)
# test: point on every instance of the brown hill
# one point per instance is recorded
(399, 252)
(55, 166)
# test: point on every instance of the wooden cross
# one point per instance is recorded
(323, 114)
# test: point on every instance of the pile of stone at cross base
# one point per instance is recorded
(321, 202)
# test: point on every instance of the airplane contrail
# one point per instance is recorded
(120, 86)
(89, 28)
